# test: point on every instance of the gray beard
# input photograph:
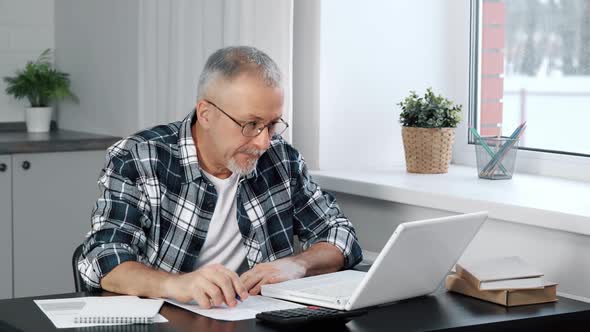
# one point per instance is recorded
(237, 169)
(234, 167)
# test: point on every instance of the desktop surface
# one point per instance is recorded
(440, 311)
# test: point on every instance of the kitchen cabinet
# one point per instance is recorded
(52, 196)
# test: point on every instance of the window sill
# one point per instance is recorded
(528, 199)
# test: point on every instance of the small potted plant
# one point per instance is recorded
(428, 131)
(41, 84)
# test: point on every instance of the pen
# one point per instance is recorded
(486, 147)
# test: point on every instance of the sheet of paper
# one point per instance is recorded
(62, 312)
(246, 309)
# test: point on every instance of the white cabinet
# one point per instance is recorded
(5, 227)
(52, 198)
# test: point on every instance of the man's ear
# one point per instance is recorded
(203, 110)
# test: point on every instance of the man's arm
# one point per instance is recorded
(318, 219)
(114, 252)
(320, 258)
(209, 285)
(328, 237)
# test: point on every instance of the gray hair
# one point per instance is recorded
(229, 62)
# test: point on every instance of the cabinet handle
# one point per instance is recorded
(3, 167)
(26, 165)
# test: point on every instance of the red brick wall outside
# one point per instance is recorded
(492, 67)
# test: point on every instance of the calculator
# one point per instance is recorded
(309, 314)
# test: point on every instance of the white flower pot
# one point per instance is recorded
(38, 119)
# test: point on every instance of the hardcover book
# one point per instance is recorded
(501, 273)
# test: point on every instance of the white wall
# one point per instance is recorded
(562, 256)
(26, 29)
(372, 54)
(97, 43)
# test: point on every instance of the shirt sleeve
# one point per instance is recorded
(318, 218)
(118, 219)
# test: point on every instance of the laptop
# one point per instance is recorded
(414, 262)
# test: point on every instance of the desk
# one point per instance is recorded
(440, 311)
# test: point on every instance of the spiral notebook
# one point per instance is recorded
(119, 310)
(101, 311)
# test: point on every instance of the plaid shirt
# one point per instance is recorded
(155, 206)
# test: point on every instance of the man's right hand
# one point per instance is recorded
(210, 285)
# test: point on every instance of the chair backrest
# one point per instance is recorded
(78, 282)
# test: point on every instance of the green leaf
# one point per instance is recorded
(40, 83)
(429, 111)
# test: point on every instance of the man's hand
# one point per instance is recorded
(320, 258)
(210, 285)
(273, 272)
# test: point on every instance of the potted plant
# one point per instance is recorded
(40, 83)
(428, 131)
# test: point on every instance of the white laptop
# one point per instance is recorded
(414, 262)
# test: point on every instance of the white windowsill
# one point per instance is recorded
(528, 199)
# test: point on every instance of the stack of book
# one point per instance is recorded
(508, 281)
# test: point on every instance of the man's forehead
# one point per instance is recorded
(259, 106)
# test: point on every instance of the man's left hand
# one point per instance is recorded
(269, 273)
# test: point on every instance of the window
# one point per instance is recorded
(532, 63)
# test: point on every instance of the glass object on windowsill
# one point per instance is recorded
(496, 157)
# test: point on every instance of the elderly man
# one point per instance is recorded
(207, 208)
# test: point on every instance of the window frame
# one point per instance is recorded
(530, 160)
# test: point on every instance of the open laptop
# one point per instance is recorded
(414, 262)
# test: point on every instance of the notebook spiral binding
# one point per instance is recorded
(114, 320)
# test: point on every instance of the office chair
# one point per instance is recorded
(78, 282)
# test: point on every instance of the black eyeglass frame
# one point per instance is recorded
(254, 124)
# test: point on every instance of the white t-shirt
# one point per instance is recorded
(223, 243)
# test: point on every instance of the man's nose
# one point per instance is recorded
(262, 141)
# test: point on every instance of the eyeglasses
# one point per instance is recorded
(254, 128)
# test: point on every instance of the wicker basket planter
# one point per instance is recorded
(428, 150)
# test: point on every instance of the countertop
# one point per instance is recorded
(54, 141)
